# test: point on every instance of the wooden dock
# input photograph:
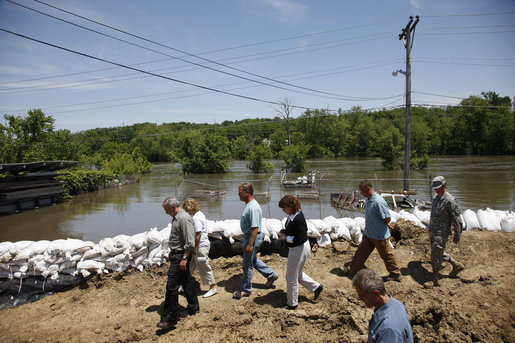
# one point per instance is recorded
(25, 186)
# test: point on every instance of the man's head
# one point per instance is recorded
(365, 188)
(370, 288)
(245, 191)
(439, 185)
(172, 206)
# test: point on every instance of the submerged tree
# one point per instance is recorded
(258, 156)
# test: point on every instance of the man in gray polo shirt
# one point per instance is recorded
(182, 243)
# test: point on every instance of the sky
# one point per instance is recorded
(92, 64)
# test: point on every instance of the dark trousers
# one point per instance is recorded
(176, 278)
(366, 247)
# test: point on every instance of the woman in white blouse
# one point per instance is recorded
(200, 258)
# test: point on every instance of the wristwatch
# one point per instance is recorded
(185, 257)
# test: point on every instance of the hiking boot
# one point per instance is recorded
(456, 268)
(393, 277)
(240, 294)
(270, 281)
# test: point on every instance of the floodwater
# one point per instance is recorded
(477, 182)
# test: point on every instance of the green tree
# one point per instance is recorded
(257, 158)
(295, 157)
(202, 153)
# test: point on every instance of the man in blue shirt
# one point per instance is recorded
(250, 225)
(390, 322)
(377, 232)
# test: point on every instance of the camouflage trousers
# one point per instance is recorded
(438, 254)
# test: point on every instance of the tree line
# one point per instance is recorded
(479, 125)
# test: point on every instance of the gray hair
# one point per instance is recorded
(369, 281)
(171, 202)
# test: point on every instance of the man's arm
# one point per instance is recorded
(252, 240)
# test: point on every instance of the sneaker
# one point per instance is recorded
(456, 269)
(240, 294)
(210, 293)
(289, 307)
(393, 277)
(181, 289)
(317, 292)
(269, 283)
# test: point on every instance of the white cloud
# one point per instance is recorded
(415, 4)
(288, 7)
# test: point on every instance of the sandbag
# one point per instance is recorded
(487, 220)
(470, 220)
(508, 223)
(321, 225)
(324, 240)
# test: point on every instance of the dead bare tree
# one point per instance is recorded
(284, 110)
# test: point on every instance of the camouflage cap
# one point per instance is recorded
(438, 182)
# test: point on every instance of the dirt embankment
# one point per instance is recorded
(125, 307)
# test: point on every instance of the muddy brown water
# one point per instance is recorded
(477, 183)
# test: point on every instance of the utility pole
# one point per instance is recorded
(407, 36)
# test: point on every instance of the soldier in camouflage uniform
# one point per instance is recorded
(445, 214)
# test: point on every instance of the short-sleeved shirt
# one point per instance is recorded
(251, 217)
(390, 323)
(376, 210)
(200, 223)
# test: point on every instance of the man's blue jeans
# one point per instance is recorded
(251, 261)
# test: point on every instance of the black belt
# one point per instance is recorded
(176, 251)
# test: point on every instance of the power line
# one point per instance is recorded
(140, 70)
(168, 47)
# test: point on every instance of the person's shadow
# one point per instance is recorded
(418, 272)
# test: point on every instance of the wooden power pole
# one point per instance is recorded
(407, 35)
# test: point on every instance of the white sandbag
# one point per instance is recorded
(423, 216)
(332, 222)
(359, 222)
(394, 216)
(5, 247)
(24, 254)
(486, 222)
(74, 246)
(51, 271)
(92, 253)
(118, 263)
(356, 234)
(56, 247)
(334, 236)
(91, 265)
(210, 225)
(264, 231)
(274, 225)
(165, 233)
(470, 220)
(138, 240)
(321, 225)
(312, 230)
(412, 218)
(40, 247)
(264, 228)
(508, 223)
(19, 246)
(324, 240)
(154, 236)
(232, 229)
(218, 226)
(107, 247)
(343, 230)
(122, 241)
(496, 221)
